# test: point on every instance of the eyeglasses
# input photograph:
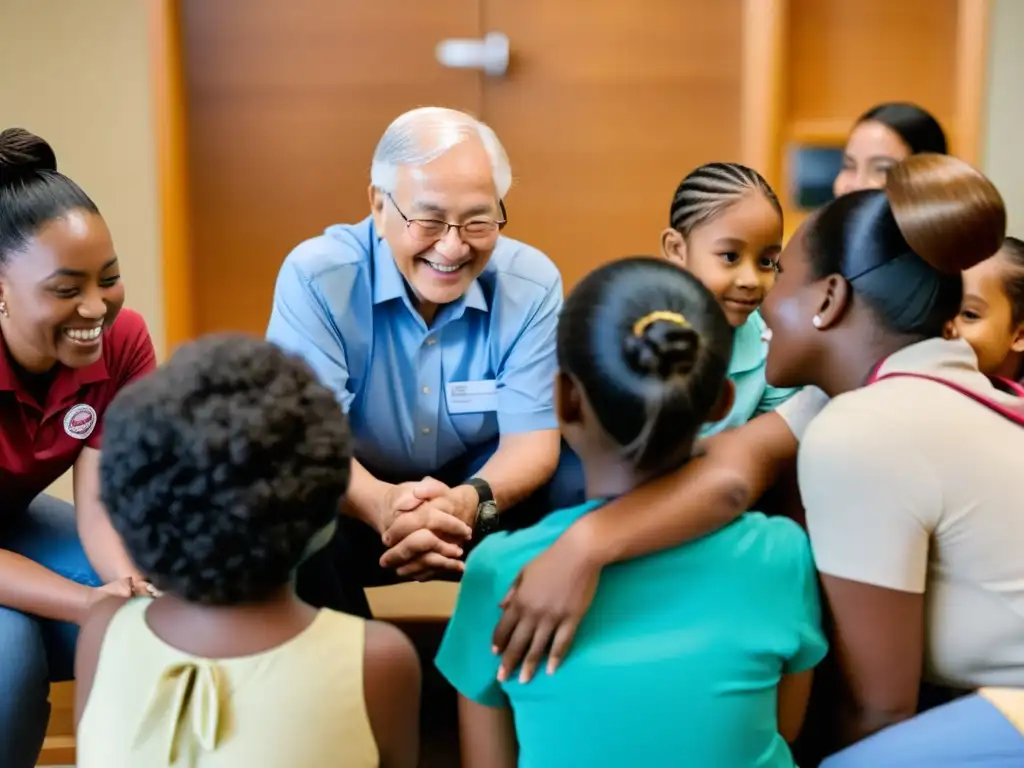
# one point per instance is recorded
(434, 229)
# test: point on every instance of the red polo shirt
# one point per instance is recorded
(39, 442)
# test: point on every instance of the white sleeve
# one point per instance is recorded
(872, 500)
(801, 408)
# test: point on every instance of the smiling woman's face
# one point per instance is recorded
(872, 149)
(59, 292)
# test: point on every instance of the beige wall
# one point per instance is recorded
(1003, 158)
(76, 73)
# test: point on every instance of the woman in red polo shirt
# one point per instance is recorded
(66, 348)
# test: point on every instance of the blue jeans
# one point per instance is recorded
(967, 732)
(35, 652)
(335, 576)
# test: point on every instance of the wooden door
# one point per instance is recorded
(286, 102)
(607, 105)
(602, 113)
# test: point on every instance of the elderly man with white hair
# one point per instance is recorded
(438, 336)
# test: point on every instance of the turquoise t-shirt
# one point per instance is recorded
(754, 396)
(676, 663)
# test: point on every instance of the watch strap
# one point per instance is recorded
(482, 487)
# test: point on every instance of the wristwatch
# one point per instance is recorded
(487, 508)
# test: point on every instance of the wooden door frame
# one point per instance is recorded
(170, 116)
(762, 109)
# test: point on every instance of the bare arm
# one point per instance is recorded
(707, 493)
(102, 545)
(487, 736)
(29, 587)
(364, 500)
(391, 686)
(554, 591)
(87, 652)
(879, 641)
(794, 694)
(521, 465)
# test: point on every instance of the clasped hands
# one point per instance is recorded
(425, 525)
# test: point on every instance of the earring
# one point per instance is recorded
(816, 321)
(3, 308)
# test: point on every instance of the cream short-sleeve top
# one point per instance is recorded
(913, 486)
(299, 704)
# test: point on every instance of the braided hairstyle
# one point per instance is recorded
(710, 189)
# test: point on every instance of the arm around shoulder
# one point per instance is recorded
(391, 688)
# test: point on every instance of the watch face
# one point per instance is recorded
(487, 517)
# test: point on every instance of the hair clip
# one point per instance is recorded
(662, 314)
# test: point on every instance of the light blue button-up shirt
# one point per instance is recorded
(341, 303)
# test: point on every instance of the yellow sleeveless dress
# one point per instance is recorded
(300, 704)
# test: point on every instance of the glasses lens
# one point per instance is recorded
(477, 228)
(427, 228)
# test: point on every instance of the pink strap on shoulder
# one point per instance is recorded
(1014, 412)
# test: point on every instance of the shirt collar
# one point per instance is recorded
(388, 283)
(67, 380)
(749, 350)
(953, 360)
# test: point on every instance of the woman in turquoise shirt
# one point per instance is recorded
(725, 228)
(715, 674)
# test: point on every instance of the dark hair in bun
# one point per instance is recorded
(914, 125)
(650, 347)
(902, 249)
(32, 191)
(950, 214)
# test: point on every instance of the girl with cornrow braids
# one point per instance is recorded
(725, 228)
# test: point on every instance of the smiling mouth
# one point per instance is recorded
(446, 269)
(83, 335)
(745, 303)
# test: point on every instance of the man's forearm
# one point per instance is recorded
(521, 464)
(364, 496)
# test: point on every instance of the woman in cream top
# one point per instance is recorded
(910, 486)
(221, 472)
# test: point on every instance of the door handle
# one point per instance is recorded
(489, 54)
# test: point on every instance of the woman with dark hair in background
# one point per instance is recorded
(66, 348)
(716, 672)
(909, 476)
(882, 137)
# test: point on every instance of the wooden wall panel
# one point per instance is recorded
(846, 56)
(603, 113)
(286, 104)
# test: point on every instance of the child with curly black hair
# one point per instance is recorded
(222, 471)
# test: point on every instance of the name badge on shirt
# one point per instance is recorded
(472, 396)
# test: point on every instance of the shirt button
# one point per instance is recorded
(426, 430)
(426, 390)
